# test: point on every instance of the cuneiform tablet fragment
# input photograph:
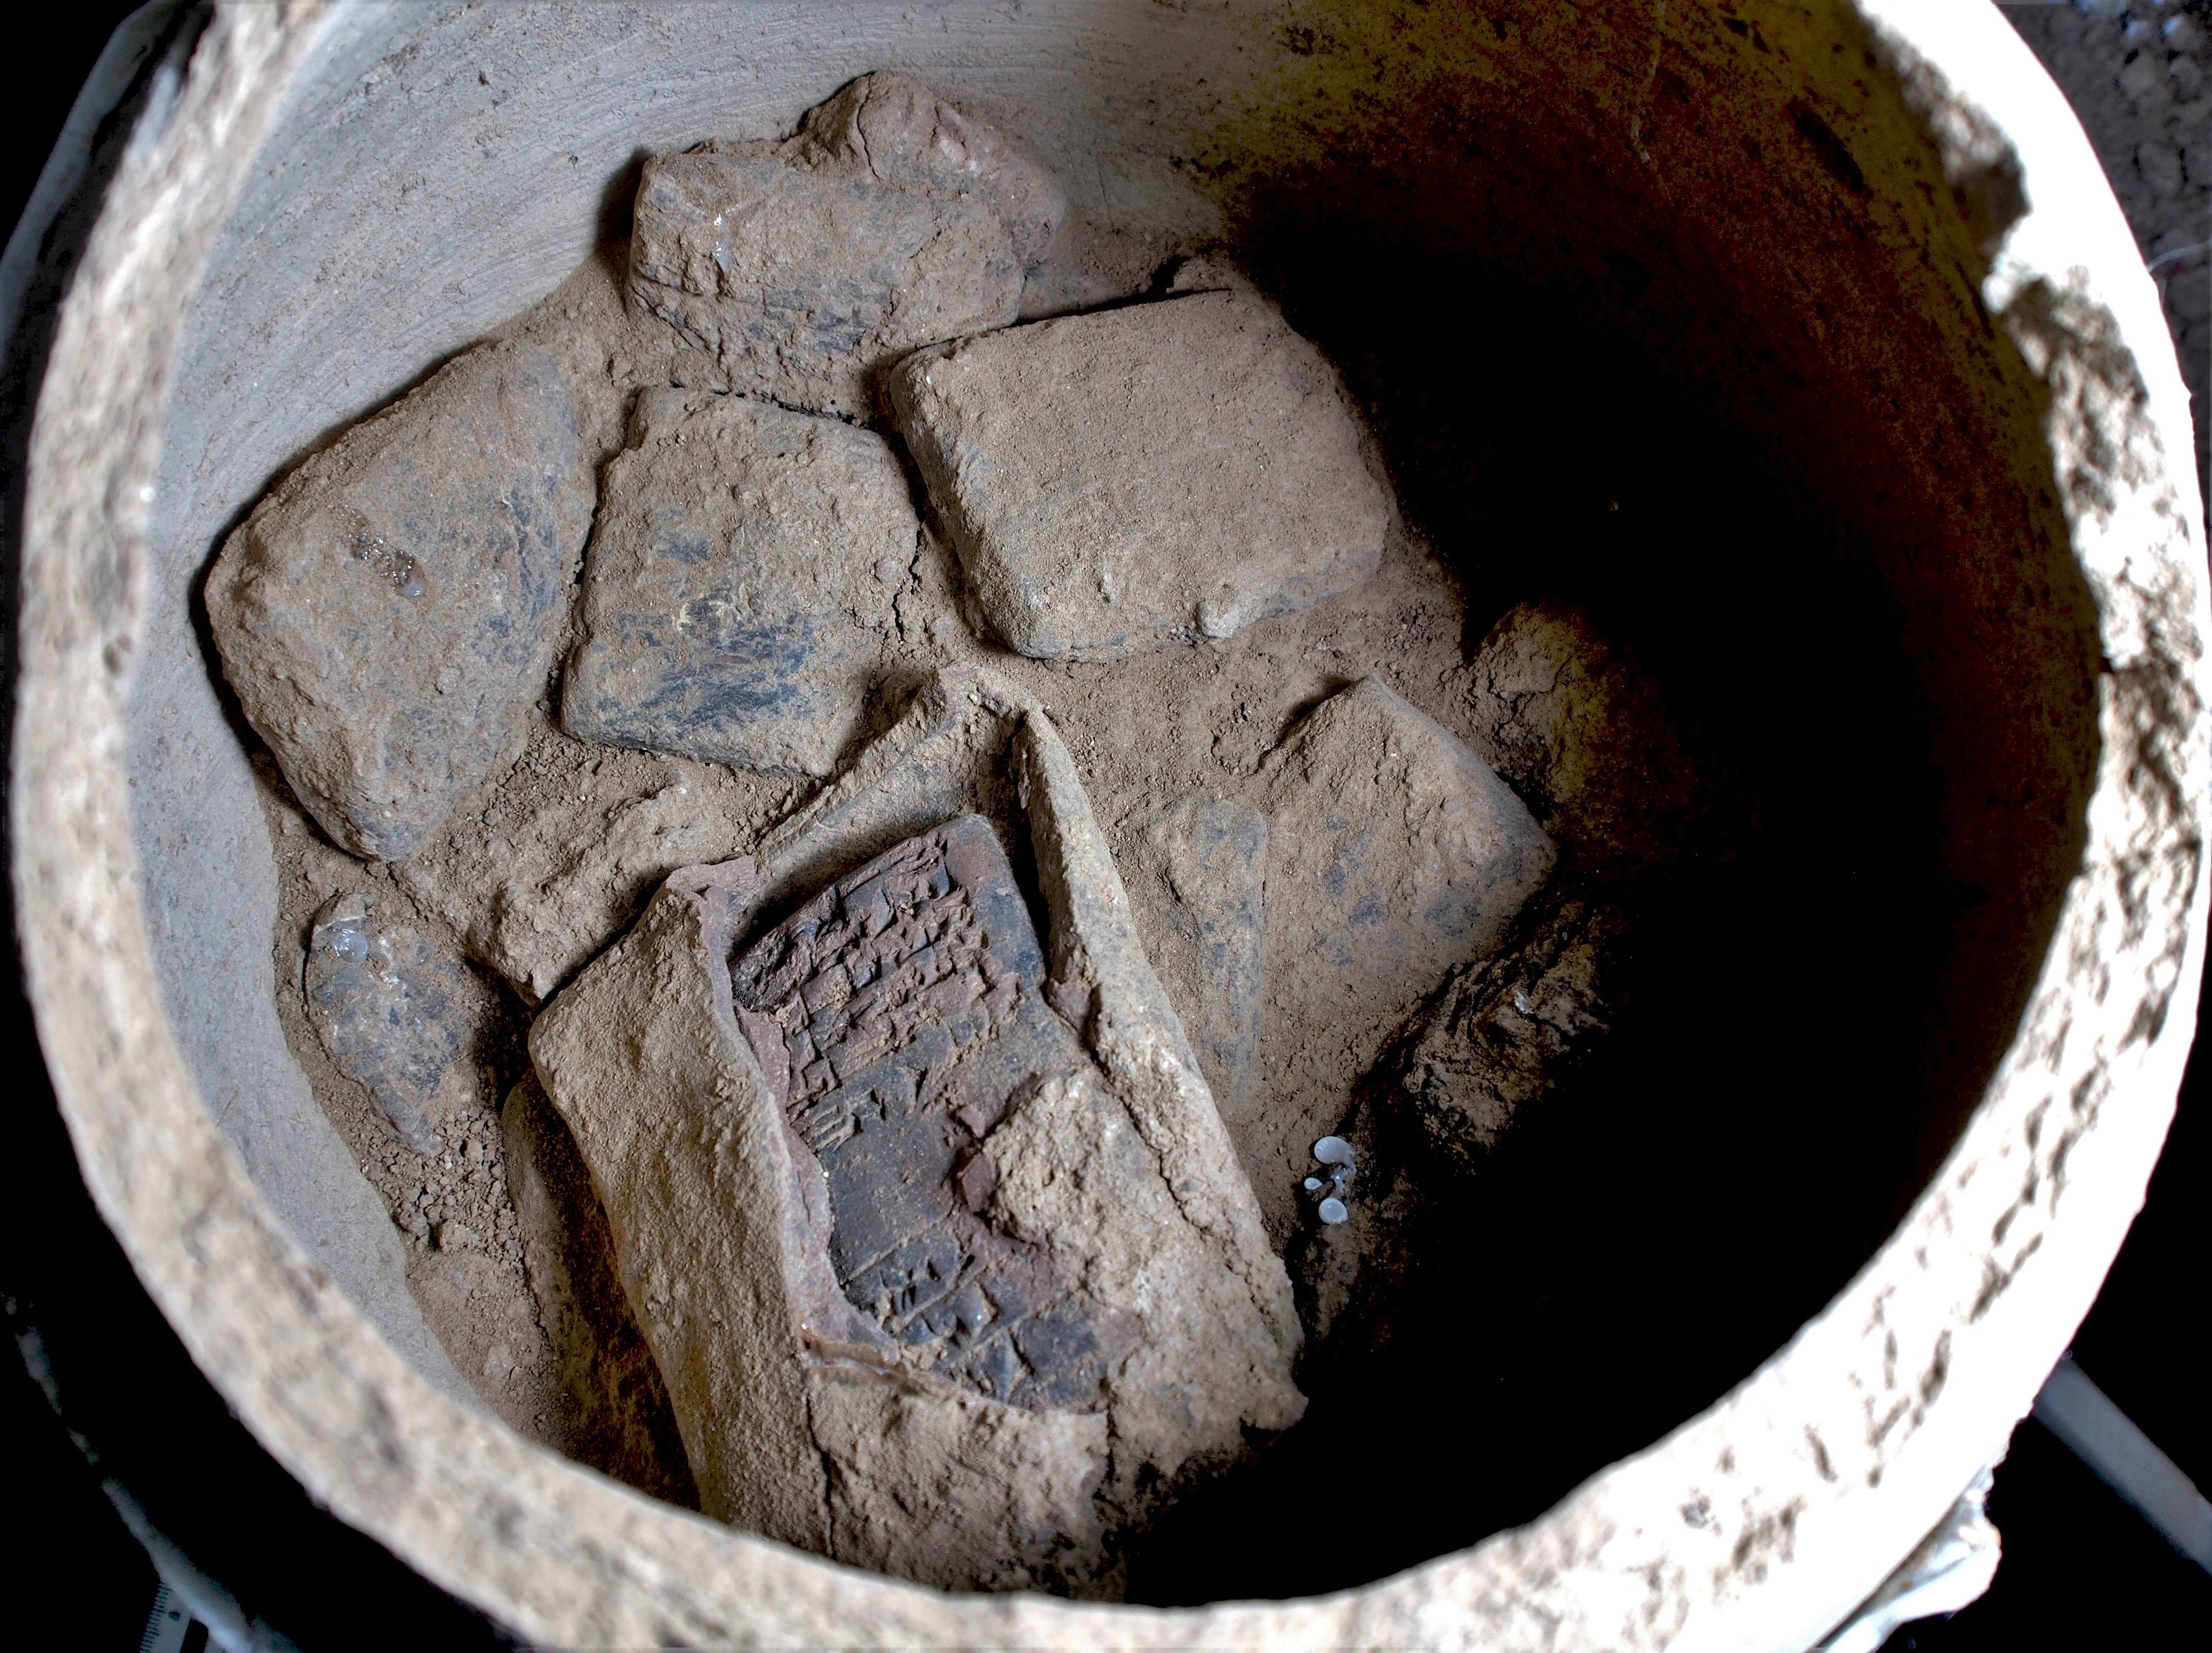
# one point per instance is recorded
(897, 1016)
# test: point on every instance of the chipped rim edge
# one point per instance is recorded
(1747, 1527)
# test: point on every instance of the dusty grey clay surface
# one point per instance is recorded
(737, 594)
(802, 268)
(387, 615)
(1117, 482)
(397, 1014)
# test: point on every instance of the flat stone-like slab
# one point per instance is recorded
(1120, 481)
(1408, 857)
(388, 613)
(397, 1014)
(738, 590)
(802, 268)
(927, 1216)
(1199, 880)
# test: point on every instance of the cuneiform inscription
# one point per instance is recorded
(898, 1016)
(894, 961)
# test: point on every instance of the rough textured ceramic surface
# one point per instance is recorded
(1881, 212)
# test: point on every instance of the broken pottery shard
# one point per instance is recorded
(1394, 855)
(1123, 480)
(1511, 1027)
(388, 614)
(398, 1015)
(1569, 719)
(897, 129)
(1199, 883)
(738, 590)
(909, 1247)
(897, 1016)
(891, 221)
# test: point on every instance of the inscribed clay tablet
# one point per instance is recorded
(896, 1016)
(935, 1235)
(738, 596)
(1123, 480)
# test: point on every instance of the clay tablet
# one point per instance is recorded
(737, 595)
(1394, 854)
(388, 614)
(896, 1017)
(931, 1227)
(800, 268)
(398, 1015)
(1123, 480)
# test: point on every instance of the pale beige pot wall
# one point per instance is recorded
(336, 196)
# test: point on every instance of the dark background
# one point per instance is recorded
(2079, 1567)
